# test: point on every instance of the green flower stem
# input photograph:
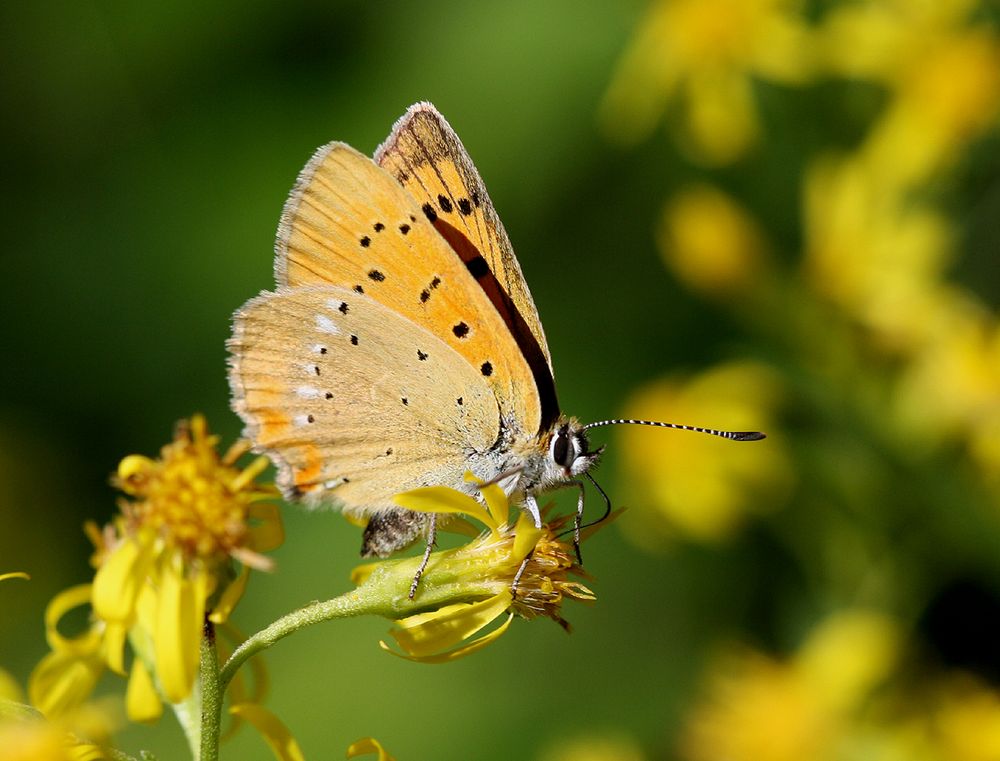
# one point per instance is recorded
(384, 593)
(211, 695)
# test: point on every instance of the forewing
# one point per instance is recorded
(349, 223)
(352, 400)
(427, 158)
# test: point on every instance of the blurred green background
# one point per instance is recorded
(148, 149)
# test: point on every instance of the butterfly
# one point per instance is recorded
(401, 346)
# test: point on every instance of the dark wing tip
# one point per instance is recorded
(748, 436)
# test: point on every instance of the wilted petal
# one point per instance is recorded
(275, 733)
(368, 745)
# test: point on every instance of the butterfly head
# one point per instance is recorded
(569, 452)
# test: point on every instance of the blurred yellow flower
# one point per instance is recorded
(82, 734)
(275, 733)
(874, 255)
(710, 242)
(704, 54)
(964, 721)
(161, 566)
(951, 389)
(761, 709)
(941, 69)
(470, 587)
(701, 486)
(40, 741)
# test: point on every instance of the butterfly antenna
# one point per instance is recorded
(731, 435)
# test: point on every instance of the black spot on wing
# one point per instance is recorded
(424, 295)
(429, 212)
(378, 227)
(354, 341)
(486, 369)
(478, 267)
(461, 330)
(358, 289)
(329, 395)
(422, 356)
(343, 307)
(406, 402)
(519, 329)
(404, 228)
(445, 203)
(376, 275)
(465, 206)
(365, 242)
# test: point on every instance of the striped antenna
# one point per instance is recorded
(731, 435)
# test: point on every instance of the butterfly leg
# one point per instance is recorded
(431, 542)
(517, 576)
(531, 505)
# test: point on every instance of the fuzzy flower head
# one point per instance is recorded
(512, 569)
(163, 565)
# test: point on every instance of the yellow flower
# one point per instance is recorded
(468, 588)
(710, 242)
(965, 720)
(39, 741)
(761, 709)
(163, 564)
(941, 70)
(704, 53)
(951, 389)
(875, 256)
(82, 734)
(699, 485)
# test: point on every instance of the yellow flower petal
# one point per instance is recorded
(62, 680)
(180, 614)
(113, 647)
(368, 745)
(441, 499)
(430, 633)
(458, 652)
(58, 606)
(230, 596)
(275, 733)
(142, 703)
(526, 536)
(497, 503)
(118, 581)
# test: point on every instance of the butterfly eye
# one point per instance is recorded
(562, 453)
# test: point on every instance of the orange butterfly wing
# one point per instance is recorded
(427, 158)
(348, 223)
